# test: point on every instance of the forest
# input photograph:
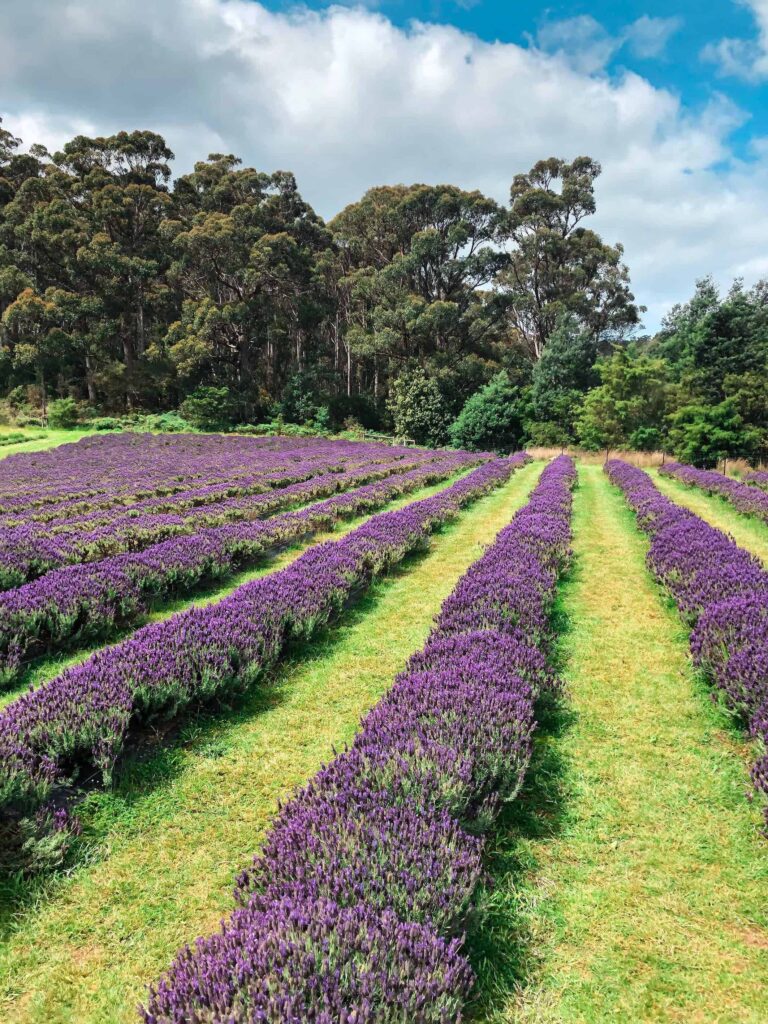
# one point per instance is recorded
(220, 300)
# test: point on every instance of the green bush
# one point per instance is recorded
(105, 423)
(548, 435)
(165, 423)
(62, 413)
(646, 439)
(490, 419)
(24, 419)
(255, 429)
(16, 437)
(209, 408)
(704, 435)
(322, 421)
(418, 409)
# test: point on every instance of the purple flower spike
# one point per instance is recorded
(353, 909)
(720, 589)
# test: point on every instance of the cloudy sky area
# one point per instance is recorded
(671, 97)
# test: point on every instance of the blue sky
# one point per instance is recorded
(670, 98)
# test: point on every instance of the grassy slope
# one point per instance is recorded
(633, 869)
(172, 835)
(747, 531)
(38, 444)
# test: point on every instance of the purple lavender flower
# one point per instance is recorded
(720, 589)
(353, 909)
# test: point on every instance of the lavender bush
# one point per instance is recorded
(99, 472)
(80, 602)
(353, 909)
(84, 715)
(721, 590)
(757, 477)
(29, 547)
(748, 499)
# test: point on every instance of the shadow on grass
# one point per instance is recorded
(159, 755)
(501, 940)
(502, 936)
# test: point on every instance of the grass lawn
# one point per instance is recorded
(631, 882)
(38, 444)
(166, 843)
(748, 531)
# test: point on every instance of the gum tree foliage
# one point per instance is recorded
(557, 266)
(565, 372)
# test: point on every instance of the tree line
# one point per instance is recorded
(427, 310)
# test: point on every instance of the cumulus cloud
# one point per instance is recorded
(346, 100)
(589, 47)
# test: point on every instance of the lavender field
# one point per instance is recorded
(295, 730)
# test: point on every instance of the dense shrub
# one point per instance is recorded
(62, 413)
(547, 435)
(164, 423)
(490, 419)
(209, 408)
(418, 409)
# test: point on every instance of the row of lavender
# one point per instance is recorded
(745, 498)
(721, 590)
(32, 549)
(57, 517)
(757, 477)
(82, 602)
(104, 471)
(85, 714)
(353, 910)
(119, 466)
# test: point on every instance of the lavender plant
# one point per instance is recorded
(86, 601)
(722, 592)
(387, 839)
(745, 498)
(85, 714)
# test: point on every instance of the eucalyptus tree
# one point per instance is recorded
(557, 266)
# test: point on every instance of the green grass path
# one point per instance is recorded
(637, 878)
(175, 832)
(748, 531)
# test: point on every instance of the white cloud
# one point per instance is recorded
(743, 58)
(347, 100)
(589, 48)
(582, 41)
(648, 37)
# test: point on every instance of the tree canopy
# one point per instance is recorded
(428, 310)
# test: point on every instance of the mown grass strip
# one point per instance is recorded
(632, 883)
(748, 532)
(164, 842)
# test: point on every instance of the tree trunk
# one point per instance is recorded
(91, 387)
(43, 400)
